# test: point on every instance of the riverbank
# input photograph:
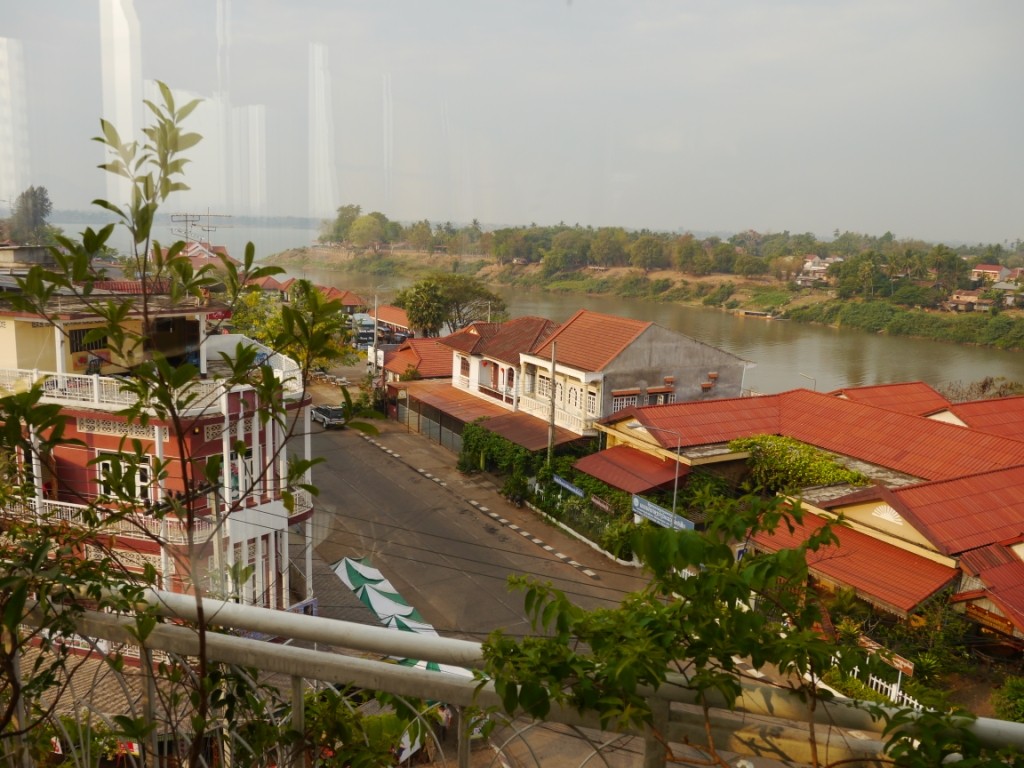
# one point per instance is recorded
(762, 296)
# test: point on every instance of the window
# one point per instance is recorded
(591, 402)
(77, 341)
(464, 366)
(241, 485)
(623, 401)
(543, 386)
(124, 477)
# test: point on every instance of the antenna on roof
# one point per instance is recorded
(186, 224)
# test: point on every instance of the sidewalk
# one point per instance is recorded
(480, 489)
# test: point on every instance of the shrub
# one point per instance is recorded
(1009, 699)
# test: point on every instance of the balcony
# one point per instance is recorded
(109, 393)
(141, 526)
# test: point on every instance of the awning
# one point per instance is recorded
(518, 427)
(525, 430)
(630, 470)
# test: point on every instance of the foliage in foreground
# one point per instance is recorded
(702, 611)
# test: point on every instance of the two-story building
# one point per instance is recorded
(522, 375)
(241, 523)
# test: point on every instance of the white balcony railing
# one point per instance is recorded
(141, 526)
(111, 393)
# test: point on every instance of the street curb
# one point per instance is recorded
(493, 515)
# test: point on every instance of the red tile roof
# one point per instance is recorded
(914, 397)
(998, 416)
(1004, 585)
(881, 573)
(470, 338)
(913, 445)
(267, 283)
(430, 358)
(589, 341)
(628, 469)
(514, 337)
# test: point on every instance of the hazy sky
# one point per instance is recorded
(869, 115)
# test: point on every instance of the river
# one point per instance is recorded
(784, 355)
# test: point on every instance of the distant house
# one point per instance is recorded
(989, 273)
(968, 301)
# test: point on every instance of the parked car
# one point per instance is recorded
(328, 415)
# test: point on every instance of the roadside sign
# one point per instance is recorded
(568, 486)
(659, 515)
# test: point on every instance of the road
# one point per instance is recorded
(447, 557)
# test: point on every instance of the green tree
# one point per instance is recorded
(648, 252)
(366, 230)
(452, 300)
(337, 230)
(420, 236)
(424, 305)
(608, 247)
(28, 219)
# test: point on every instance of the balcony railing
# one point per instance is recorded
(765, 721)
(110, 393)
(143, 527)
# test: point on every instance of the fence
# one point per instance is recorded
(764, 722)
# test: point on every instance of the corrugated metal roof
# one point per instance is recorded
(998, 416)
(630, 470)
(525, 430)
(520, 428)
(914, 445)
(967, 512)
(913, 397)
(392, 315)
(589, 341)
(886, 575)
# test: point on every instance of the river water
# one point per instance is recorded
(784, 355)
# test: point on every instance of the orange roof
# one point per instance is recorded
(999, 416)
(881, 573)
(589, 341)
(914, 397)
(469, 338)
(431, 359)
(914, 445)
(393, 316)
(267, 283)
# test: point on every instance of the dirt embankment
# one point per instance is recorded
(761, 293)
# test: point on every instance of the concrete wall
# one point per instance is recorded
(659, 354)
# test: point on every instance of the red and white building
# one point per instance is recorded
(238, 542)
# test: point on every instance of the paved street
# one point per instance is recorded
(447, 541)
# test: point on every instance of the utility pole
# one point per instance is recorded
(551, 418)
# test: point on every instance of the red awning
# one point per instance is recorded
(630, 470)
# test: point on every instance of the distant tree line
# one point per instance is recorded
(877, 261)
